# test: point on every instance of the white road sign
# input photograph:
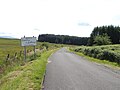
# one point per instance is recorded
(28, 41)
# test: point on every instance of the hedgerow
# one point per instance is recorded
(110, 53)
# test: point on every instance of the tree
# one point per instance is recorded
(63, 39)
(102, 40)
(112, 31)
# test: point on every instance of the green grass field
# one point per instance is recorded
(17, 74)
(12, 46)
(27, 77)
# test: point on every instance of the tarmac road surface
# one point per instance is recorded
(68, 71)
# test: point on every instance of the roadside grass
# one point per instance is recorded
(103, 62)
(27, 77)
(12, 46)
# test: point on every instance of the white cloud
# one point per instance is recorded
(33, 17)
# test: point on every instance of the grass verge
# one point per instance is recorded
(103, 62)
(27, 77)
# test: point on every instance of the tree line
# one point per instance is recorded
(104, 35)
(63, 39)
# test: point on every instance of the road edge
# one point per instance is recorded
(43, 79)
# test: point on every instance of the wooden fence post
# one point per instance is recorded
(20, 53)
(34, 52)
(25, 53)
(7, 57)
(15, 55)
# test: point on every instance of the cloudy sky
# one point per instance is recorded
(66, 17)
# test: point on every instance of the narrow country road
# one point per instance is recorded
(67, 71)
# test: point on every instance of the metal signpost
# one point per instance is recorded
(28, 41)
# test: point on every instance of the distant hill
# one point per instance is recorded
(7, 37)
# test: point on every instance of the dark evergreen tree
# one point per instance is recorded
(112, 31)
(63, 39)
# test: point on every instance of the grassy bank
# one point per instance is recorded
(27, 77)
(107, 55)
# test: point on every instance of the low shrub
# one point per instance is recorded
(109, 53)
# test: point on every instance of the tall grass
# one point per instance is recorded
(12, 54)
(27, 77)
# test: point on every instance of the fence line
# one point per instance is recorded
(11, 58)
